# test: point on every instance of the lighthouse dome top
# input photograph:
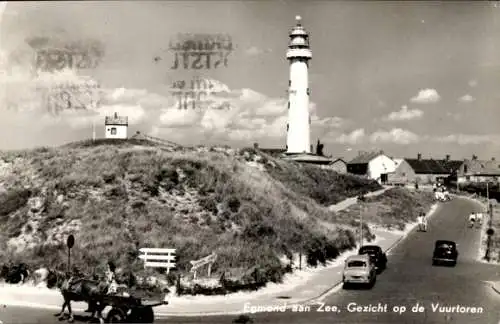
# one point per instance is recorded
(298, 30)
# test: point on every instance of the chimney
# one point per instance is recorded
(319, 148)
(256, 146)
(474, 157)
(447, 157)
(419, 156)
(381, 152)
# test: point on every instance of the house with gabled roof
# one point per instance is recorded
(374, 165)
(475, 170)
(403, 174)
(433, 170)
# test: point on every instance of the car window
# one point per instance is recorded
(356, 264)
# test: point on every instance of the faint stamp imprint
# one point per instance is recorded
(52, 56)
(195, 93)
(201, 51)
(78, 95)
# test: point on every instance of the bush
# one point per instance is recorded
(13, 200)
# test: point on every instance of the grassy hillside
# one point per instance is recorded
(393, 209)
(115, 197)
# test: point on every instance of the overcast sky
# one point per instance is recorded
(395, 76)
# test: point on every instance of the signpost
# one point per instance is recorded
(70, 242)
(210, 259)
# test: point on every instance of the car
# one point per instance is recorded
(378, 256)
(445, 252)
(359, 270)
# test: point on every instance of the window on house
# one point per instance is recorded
(113, 130)
(465, 169)
(287, 127)
(467, 178)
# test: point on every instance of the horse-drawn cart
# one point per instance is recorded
(128, 309)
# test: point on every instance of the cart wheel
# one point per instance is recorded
(142, 315)
(116, 315)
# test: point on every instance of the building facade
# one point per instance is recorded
(338, 165)
(374, 165)
(116, 127)
(403, 175)
(477, 171)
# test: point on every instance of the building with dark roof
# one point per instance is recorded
(420, 170)
(475, 170)
(374, 165)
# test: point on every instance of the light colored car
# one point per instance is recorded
(359, 269)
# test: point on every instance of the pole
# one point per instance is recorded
(69, 260)
(93, 130)
(488, 195)
(360, 228)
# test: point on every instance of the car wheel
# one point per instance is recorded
(345, 285)
(434, 262)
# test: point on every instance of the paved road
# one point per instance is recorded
(409, 279)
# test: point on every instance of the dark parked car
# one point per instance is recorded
(376, 254)
(445, 252)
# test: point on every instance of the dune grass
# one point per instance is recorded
(116, 197)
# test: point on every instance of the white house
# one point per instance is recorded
(116, 126)
(374, 165)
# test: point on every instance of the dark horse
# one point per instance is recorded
(79, 290)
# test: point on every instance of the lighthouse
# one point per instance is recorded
(299, 121)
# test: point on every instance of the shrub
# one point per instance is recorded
(13, 200)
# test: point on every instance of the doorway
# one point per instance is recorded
(383, 178)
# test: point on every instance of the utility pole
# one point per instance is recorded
(93, 130)
(360, 200)
(488, 196)
(360, 227)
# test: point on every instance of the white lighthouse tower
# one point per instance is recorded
(298, 127)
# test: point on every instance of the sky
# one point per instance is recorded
(402, 77)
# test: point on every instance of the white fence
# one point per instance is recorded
(158, 258)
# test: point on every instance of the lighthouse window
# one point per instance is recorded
(287, 127)
(113, 131)
(308, 91)
(289, 83)
(289, 105)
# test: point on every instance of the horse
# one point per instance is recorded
(79, 289)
